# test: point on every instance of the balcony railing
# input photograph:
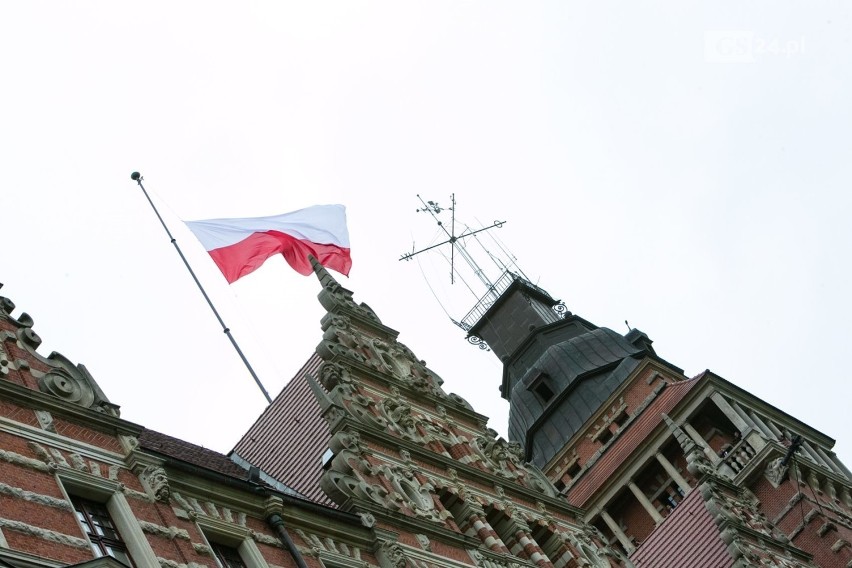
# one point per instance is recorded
(486, 301)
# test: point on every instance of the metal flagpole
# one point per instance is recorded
(137, 177)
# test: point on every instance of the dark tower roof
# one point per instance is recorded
(558, 368)
(553, 395)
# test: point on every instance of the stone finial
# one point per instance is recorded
(323, 275)
(686, 443)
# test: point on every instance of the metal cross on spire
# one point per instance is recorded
(434, 209)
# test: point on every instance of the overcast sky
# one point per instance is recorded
(682, 166)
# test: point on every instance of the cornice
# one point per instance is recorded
(24, 560)
(41, 401)
(415, 525)
(58, 441)
(792, 423)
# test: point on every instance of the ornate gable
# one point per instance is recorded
(55, 375)
(415, 459)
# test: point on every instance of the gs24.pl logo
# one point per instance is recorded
(739, 46)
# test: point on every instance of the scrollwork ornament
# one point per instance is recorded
(67, 388)
(478, 341)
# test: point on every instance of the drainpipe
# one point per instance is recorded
(276, 521)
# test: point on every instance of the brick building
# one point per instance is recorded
(615, 458)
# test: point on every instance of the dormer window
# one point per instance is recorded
(541, 387)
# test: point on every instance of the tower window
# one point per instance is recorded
(541, 388)
(621, 419)
(100, 529)
(573, 470)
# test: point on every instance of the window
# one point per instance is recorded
(573, 470)
(102, 533)
(227, 556)
(231, 545)
(541, 388)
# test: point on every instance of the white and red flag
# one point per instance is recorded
(240, 246)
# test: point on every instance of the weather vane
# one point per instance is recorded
(433, 209)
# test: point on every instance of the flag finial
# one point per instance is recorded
(325, 278)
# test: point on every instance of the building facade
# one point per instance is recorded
(614, 458)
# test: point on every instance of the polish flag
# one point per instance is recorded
(240, 246)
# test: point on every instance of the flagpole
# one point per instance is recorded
(137, 177)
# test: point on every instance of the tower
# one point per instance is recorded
(659, 462)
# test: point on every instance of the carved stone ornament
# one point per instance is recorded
(410, 493)
(424, 542)
(400, 419)
(4, 362)
(776, 472)
(156, 481)
(740, 509)
(341, 487)
(503, 457)
(335, 297)
(394, 554)
(367, 519)
(68, 388)
(332, 375)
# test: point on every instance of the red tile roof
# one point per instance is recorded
(628, 442)
(690, 523)
(190, 453)
(288, 440)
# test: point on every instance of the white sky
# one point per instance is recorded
(646, 173)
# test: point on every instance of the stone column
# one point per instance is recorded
(827, 459)
(728, 410)
(619, 534)
(473, 523)
(778, 433)
(762, 426)
(645, 502)
(696, 437)
(673, 472)
(525, 545)
(839, 464)
(814, 456)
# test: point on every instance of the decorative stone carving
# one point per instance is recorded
(459, 401)
(156, 481)
(68, 388)
(400, 418)
(739, 509)
(393, 554)
(4, 362)
(423, 540)
(367, 519)
(364, 409)
(410, 493)
(776, 472)
(332, 375)
(335, 297)
(503, 457)
(341, 487)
